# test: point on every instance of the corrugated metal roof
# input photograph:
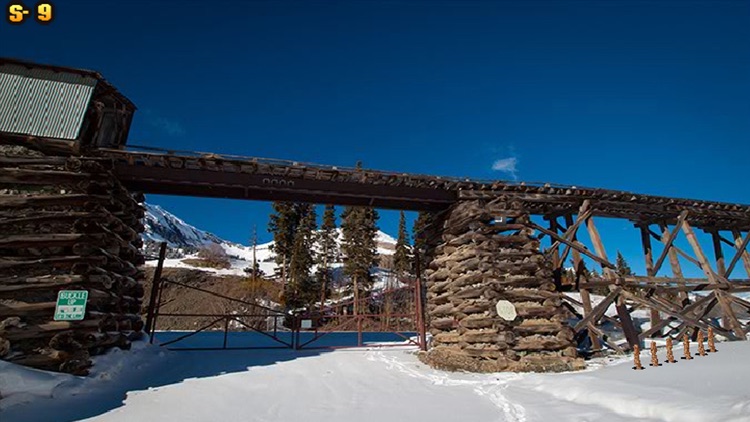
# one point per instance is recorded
(43, 102)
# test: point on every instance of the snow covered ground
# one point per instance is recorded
(372, 385)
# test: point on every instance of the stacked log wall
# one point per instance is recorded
(477, 261)
(66, 223)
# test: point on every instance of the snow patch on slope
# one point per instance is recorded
(185, 240)
(163, 226)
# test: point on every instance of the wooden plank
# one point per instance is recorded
(585, 296)
(674, 262)
(557, 264)
(583, 212)
(654, 316)
(708, 301)
(596, 332)
(741, 247)
(740, 301)
(728, 314)
(604, 317)
(726, 308)
(555, 249)
(665, 309)
(647, 251)
(669, 241)
(721, 269)
(627, 323)
(573, 235)
(705, 265)
(575, 245)
(596, 313)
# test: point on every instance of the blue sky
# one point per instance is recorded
(647, 96)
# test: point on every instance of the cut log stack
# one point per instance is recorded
(483, 259)
(66, 223)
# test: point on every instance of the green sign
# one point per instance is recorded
(71, 305)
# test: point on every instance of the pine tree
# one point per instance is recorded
(623, 268)
(359, 247)
(301, 289)
(420, 242)
(329, 252)
(401, 258)
(283, 224)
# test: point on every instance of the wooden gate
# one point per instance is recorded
(261, 326)
(388, 317)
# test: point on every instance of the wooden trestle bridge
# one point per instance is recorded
(90, 136)
(567, 209)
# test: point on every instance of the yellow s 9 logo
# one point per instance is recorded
(17, 12)
(44, 12)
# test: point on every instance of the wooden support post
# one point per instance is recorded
(627, 323)
(674, 262)
(570, 233)
(718, 254)
(655, 318)
(705, 265)
(741, 246)
(155, 287)
(596, 345)
(583, 213)
(720, 265)
(557, 265)
(724, 303)
(671, 236)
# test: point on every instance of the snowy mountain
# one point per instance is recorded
(161, 225)
(185, 240)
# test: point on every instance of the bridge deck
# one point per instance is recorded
(212, 175)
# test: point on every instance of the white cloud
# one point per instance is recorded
(170, 127)
(507, 165)
(165, 125)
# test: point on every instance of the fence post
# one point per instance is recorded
(420, 306)
(155, 287)
(226, 331)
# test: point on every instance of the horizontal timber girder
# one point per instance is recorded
(212, 175)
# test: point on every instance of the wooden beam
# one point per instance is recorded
(741, 247)
(708, 301)
(596, 332)
(654, 316)
(585, 296)
(627, 323)
(647, 251)
(668, 242)
(575, 245)
(572, 301)
(721, 269)
(740, 301)
(596, 313)
(704, 264)
(557, 264)
(573, 237)
(583, 213)
(726, 308)
(555, 248)
(665, 309)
